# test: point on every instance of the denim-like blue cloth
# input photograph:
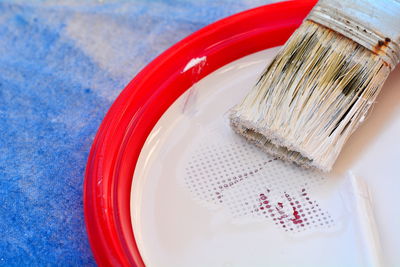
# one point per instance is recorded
(61, 66)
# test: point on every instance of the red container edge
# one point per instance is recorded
(131, 118)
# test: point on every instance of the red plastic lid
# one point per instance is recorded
(124, 130)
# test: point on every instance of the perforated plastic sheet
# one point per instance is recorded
(233, 174)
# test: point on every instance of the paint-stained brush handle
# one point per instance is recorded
(374, 24)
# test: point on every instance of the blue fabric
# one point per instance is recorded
(61, 66)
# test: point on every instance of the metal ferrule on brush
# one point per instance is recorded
(374, 24)
(321, 84)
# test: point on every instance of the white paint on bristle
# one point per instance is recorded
(312, 97)
(370, 23)
(319, 88)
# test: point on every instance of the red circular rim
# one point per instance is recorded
(131, 118)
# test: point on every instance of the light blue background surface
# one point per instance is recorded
(62, 64)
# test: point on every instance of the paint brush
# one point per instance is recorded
(321, 84)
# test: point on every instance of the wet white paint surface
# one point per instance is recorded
(202, 196)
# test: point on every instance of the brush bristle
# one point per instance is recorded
(311, 98)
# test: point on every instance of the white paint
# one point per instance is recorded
(194, 62)
(173, 228)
